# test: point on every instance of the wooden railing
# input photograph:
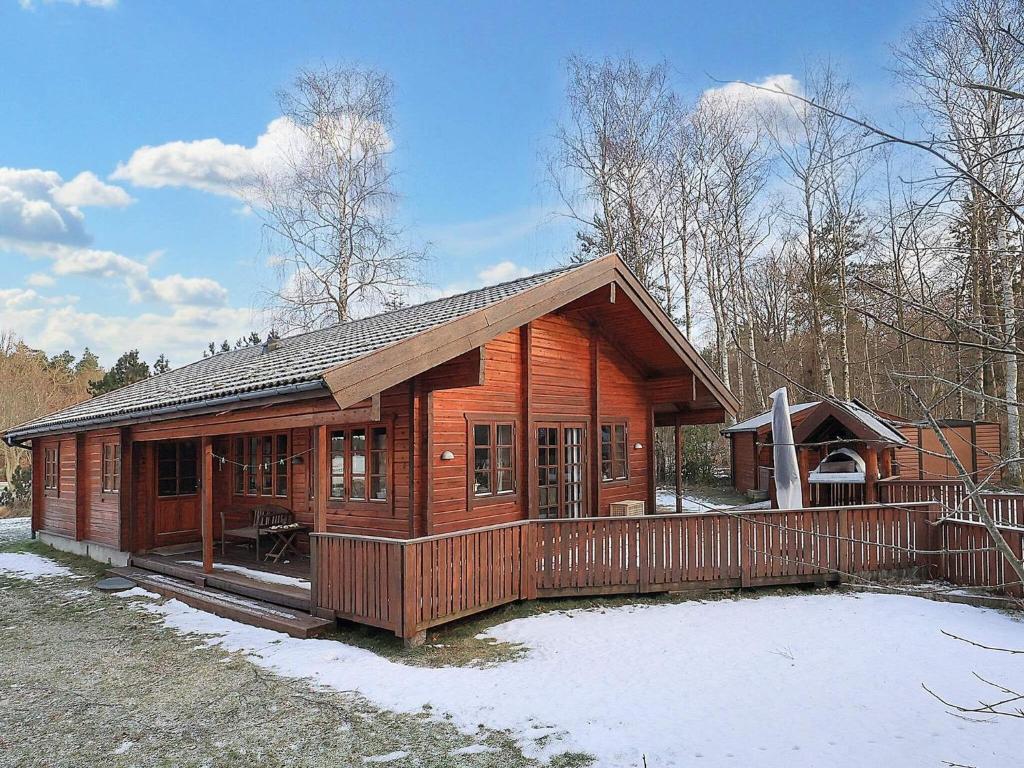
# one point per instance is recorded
(1006, 509)
(968, 557)
(407, 586)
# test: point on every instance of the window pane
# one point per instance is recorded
(252, 471)
(482, 434)
(267, 465)
(620, 469)
(378, 488)
(282, 465)
(504, 434)
(481, 458)
(358, 488)
(167, 486)
(378, 463)
(358, 463)
(620, 433)
(380, 439)
(482, 483)
(505, 480)
(358, 439)
(239, 469)
(337, 487)
(504, 458)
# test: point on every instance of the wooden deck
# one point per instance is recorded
(285, 584)
(227, 604)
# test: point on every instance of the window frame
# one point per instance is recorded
(326, 463)
(493, 421)
(178, 444)
(51, 488)
(255, 469)
(612, 423)
(110, 467)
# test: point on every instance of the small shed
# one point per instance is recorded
(844, 448)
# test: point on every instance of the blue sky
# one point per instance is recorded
(479, 90)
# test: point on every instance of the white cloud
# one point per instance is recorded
(174, 290)
(30, 5)
(209, 165)
(40, 280)
(197, 291)
(212, 165)
(181, 334)
(86, 189)
(742, 95)
(29, 214)
(502, 272)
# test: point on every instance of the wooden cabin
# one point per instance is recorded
(844, 449)
(533, 399)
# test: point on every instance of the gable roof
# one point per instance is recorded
(356, 359)
(755, 423)
(850, 411)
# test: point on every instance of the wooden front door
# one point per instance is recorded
(176, 511)
(561, 469)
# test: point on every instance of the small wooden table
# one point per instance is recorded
(283, 538)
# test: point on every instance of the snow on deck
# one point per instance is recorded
(803, 680)
(266, 576)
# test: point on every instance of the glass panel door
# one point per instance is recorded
(561, 470)
(547, 472)
(572, 472)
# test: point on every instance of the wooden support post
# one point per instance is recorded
(526, 477)
(322, 457)
(126, 494)
(206, 488)
(679, 466)
(595, 413)
(375, 407)
(805, 485)
(870, 475)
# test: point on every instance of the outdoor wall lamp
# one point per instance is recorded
(638, 446)
(447, 456)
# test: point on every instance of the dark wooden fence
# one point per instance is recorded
(1007, 509)
(407, 586)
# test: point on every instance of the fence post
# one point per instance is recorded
(410, 595)
(746, 554)
(643, 552)
(936, 561)
(843, 544)
(528, 561)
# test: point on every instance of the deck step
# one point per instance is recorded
(227, 581)
(246, 610)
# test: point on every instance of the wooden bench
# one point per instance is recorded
(264, 517)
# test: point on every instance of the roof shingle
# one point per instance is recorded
(299, 360)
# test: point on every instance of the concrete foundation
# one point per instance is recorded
(99, 552)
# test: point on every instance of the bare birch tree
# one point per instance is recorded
(328, 201)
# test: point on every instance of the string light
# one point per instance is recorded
(266, 464)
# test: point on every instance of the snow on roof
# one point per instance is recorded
(754, 423)
(858, 410)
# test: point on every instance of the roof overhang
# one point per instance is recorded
(356, 380)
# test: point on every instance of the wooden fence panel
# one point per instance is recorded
(970, 559)
(587, 556)
(462, 573)
(358, 578)
(688, 551)
(1006, 509)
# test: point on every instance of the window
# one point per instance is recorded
(614, 460)
(177, 466)
(111, 470)
(261, 465)
(51, 469)
(359, 464)
(493, 458)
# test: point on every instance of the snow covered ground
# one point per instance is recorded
(15, 529)
(802, 680)
(691, 501)
(25, 565)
